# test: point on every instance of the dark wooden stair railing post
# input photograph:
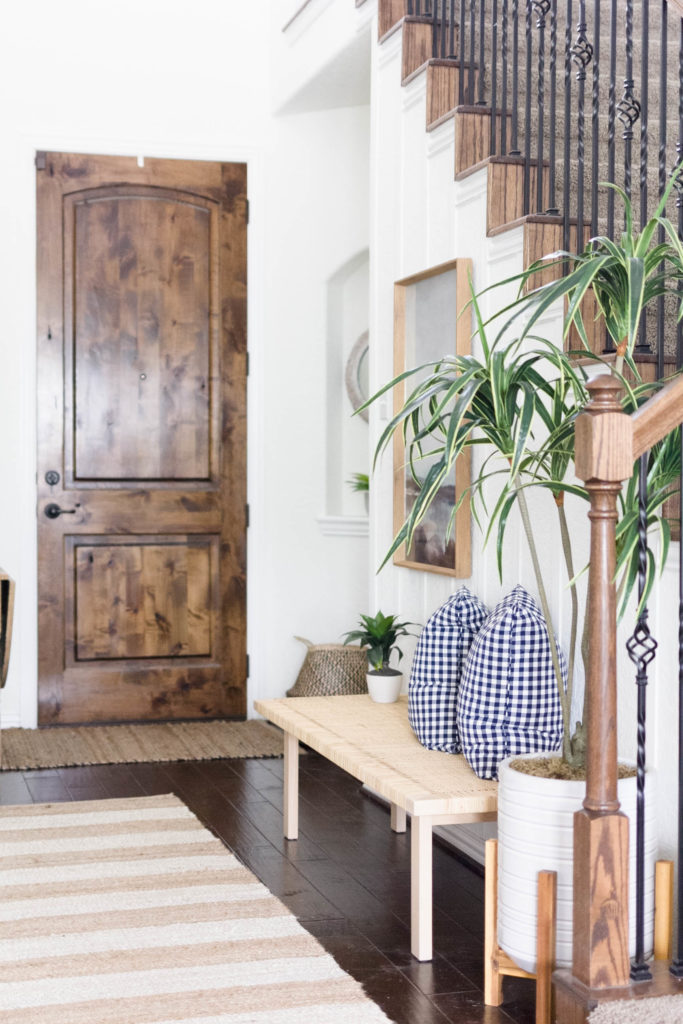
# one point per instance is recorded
(603, 460)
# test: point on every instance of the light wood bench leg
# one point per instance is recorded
(291, 792)
(546, 924)
(421, 886)
(493, 979)
(398, 818)
(664, 898)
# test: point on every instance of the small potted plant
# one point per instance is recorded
(379, 634)
(360, 482)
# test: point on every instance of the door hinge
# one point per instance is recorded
(248, 364)
(41, 160)
(246, 210)
(248, 667)
(246, 515)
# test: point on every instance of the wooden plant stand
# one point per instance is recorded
(497, 964)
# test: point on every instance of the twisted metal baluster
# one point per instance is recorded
(641, 648)
(582, 55)
(541, 9)
(628, 107)
(552, 209)
(677, 963)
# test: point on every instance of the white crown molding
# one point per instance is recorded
(344, 526)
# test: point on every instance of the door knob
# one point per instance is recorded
(53, 511)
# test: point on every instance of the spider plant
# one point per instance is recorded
(624, 278)
(519, 404)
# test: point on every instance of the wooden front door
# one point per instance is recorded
(141, 438)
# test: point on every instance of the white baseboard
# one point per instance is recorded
(9, 721)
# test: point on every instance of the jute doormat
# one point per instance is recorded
(131, 912)
(61, 747)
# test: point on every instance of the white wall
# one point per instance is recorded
(161, 79)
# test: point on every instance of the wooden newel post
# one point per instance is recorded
(603, 460)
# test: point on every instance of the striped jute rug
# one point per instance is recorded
(60, 747)
(131, 912)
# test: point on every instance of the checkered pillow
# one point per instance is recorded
(437, 666)
(508, 701)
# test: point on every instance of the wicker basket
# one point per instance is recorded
(330, 669)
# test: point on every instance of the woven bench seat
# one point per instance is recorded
(375, 744)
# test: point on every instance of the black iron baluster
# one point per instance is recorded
(541, 7)
(444, 28)
(552, 209)
(461, 55)
(527, 112)
(642, 648)
(663, 71)
(611, 144)
(514, 127)
(470, 81)
(595, 112)
(481, 99)
(628, 107)
(611, 118)
(435, 28)
(494, 74)
(410, 6)
(504, 88)
(676, 967)
(677, 963)
(582, 54)
(451, 31)
(567, 120)
(642, 346)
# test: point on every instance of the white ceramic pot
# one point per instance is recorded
(384, 686)
(535, 833)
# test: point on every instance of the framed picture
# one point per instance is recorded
(427, 326)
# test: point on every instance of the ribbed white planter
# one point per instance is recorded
(535, 833)
(384, 686)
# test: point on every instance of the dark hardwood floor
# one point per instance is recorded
(347, 878)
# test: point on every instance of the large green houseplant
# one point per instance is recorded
(518, 402)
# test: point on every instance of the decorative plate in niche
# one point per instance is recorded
(356, 375)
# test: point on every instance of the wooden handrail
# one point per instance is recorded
(658, 416)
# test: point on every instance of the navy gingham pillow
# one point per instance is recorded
(437, 666)
(508, 701)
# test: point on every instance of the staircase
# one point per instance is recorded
(506, 74)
